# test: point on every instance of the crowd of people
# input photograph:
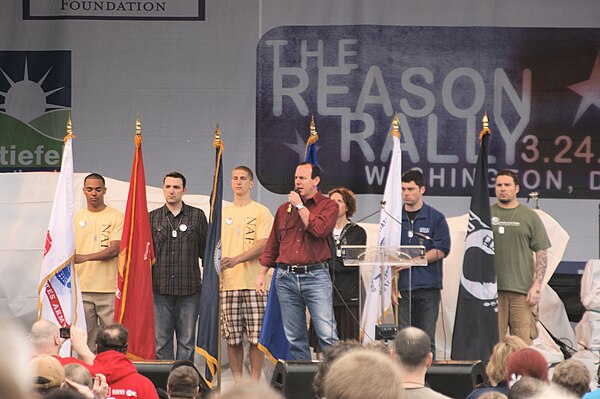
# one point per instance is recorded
(298, 247)
(33, 369)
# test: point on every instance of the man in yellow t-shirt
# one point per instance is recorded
(98, 230)
(245, 228)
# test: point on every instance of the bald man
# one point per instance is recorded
(412, 351)
(46, 340)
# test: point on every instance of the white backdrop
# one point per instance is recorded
(24, 213)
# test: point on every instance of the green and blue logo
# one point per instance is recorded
(35, 101)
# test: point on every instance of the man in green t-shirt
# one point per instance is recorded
(518, 234)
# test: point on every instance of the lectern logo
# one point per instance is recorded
(35, 100)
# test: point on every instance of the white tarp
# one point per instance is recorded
(25, 205)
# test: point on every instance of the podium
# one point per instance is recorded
(376, 260)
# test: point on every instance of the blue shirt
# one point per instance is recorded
(595, 394)
(433, 224)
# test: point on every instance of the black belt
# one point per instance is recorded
(301, 269)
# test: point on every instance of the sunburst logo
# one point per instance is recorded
(26, 99)
(35, 99)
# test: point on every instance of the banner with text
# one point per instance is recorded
(539, 86)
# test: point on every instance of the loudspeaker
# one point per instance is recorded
(294, 378)
(156, 371)
(455, 378)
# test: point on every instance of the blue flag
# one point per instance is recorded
(476, 322)
(272, 341)
(207, 344)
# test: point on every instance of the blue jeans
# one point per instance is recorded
(296, 292)
(175, 314)
(425, 310)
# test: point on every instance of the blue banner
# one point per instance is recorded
(209, 337)
(539, 87)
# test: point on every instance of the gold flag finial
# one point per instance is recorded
(70, 134)
(396, 126)
(313, 137)
(138, 131)
(69, 125)
(217, 134)
(138, 126)
(217, 140)
(313, 129)
(486, 126)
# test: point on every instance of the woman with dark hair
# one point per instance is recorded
(346, 282)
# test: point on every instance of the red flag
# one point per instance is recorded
(134, 306)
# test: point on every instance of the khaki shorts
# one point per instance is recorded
(515, 312)
(242, 311)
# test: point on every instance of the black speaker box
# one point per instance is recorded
(156, 371)
(455, 378)
(294, 378)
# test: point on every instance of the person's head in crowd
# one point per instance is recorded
(48, 374)
(493, 395)
(526, 363)
(525, 388)
(573, 376)
(78, 373)
(78, 379)
(330, 355)
(113, 337)
(412, 347)
(496, 367)
(64, 394)
(183, 383)
(363, 373)
(553, 391)
(248, 390)
(380, 346)
(15, 356)
(45, 338)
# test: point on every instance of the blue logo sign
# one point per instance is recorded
(35, 101)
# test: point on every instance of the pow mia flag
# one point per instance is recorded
(476, 322)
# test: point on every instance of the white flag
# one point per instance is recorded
(59, 295)
(389, 235)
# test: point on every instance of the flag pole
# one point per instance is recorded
(71, 136)
(395, 132)
(218, 144)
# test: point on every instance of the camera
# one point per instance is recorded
(65, 332)
(385, 332)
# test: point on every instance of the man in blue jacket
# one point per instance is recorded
(420, 287)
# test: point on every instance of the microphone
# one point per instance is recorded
(289, 210)
(420, 235)
(423, 236)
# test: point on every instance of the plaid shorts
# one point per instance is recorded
(242, 311)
